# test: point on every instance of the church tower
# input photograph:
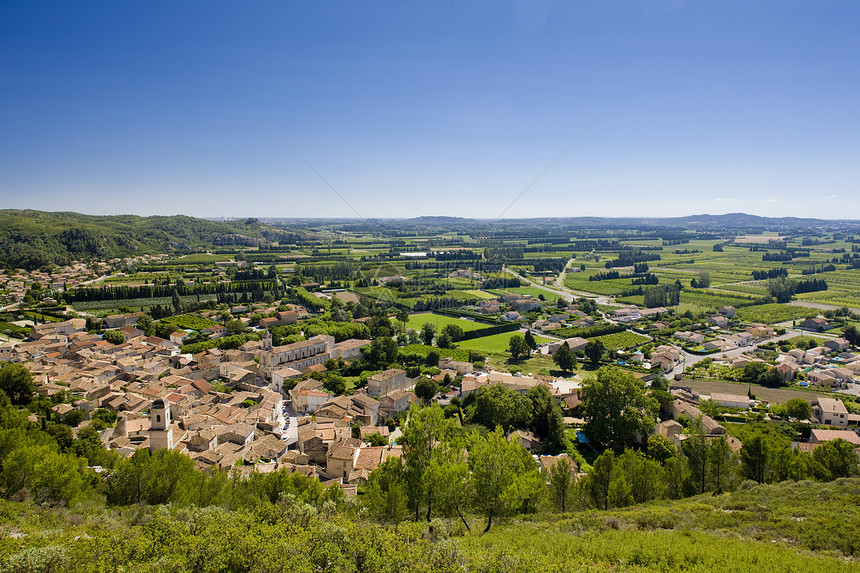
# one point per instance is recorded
(267, 340)
(160, 430)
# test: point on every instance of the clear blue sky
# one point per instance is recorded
(412, 108)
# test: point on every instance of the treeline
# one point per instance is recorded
(157, 291)
(769, 274)
(782, 289)
(629, 257)
(648, 279)
(815, 269)
(662, 295)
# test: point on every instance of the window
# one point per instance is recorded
(158, 417)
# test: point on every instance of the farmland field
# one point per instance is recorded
(496, 344)
(620, 340)
(773, 313)
(531, 291)
(417, 321)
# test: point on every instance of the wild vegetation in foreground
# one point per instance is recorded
(803, 526)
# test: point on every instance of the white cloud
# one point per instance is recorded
(723, 199)
(774, 199)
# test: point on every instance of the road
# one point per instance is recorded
(688, 359)
(566, 293)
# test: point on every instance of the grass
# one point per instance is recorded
(790, 527)
(496, 344)
(531, 291)
(440, 321)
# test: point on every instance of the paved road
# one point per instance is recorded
(566, 293)
(688, 359)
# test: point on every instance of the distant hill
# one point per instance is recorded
(729, 221)
(33, 239)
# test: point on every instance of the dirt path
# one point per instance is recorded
(772, 395)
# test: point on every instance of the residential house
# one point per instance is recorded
(830, 411)
(384, 382)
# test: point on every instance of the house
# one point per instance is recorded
(690, 337)
(525, 305)
(460, 367)
(718, 320)
(490, 306)
(307, 396)
(822, 378)
(526, 439)
(818, 436)
(120, 320)
(830, 411)
(836, 344)
(626, 314)
(576, 344)
(384, 382)
(341, 456)
(394, 402)
(670, 429)
(816, 324)
(727, 311)
(731, 400)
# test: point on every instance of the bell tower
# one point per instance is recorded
(160, 430)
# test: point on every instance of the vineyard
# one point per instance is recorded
(137, 302)
(622, 340)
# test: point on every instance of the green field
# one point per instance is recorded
(531, 291)
(775, 312)
(496, 344)
(620, 340)
(440, 321)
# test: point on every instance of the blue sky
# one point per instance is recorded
(431, 108)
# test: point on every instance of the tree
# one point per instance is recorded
(454, 332)
(851, 334)
(382, 352)
(402, 316)
(594, 351)
(517, 347)
(600, 478)
(530, 341)
(17, 382)
(547, 420)
(616, 408)
(501, 470)
(443, 340)
(498, 406)
(756, 457)
(835, 459)
(448, 471)
(660, 448)
(564, 358)
(425, 429)
(432, 358)
(428, 332)
(641, 474)
(721, 464)
(235, 326)
(561, 480)
(386, 497)
(114, 336)
(798, 408)
(425, 389)
(177, 302)
(695, 447)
